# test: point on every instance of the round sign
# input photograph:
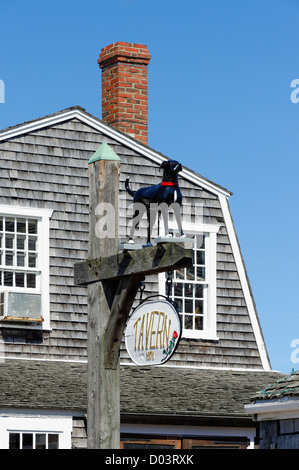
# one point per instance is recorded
(153, 332)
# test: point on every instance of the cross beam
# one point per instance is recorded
(143, 262)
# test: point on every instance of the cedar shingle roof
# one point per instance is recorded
(144, 391)
(284, 387)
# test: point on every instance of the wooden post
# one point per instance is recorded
(113, 280)
(103, 414)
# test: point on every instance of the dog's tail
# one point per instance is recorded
(132, 193)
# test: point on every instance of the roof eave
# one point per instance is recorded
(268, 410)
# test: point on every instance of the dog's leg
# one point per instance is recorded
(177, 213)
(134, 225)
(151, 218)
(163, 207)
(139, 211)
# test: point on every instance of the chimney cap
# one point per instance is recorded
(124, 52)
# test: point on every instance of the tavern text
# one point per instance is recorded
(152, 331)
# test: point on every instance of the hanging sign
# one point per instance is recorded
(153, 332)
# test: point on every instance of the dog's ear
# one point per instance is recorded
(162, 165)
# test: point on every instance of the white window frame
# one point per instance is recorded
(209, 331)
(43, 217)
(30, 422)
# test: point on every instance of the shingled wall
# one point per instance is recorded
(51, 165)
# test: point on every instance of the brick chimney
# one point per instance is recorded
(124, 88)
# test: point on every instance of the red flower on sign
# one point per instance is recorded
(170, 347)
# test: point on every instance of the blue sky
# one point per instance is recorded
(219, 101)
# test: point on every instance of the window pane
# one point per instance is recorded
(14, 440)
(188, 322)
(188, 290)
(53, 441)
(9, 238)
(199, 306)
(199, 291)
(1, 224)
(32, 243)
(188, 306)
(200, 257)
(20, 258)
(10, 224)
(27, 441)
(31, 280)
(178, 304)
(32, 260)
(21, 239)
(198, 322)
(2, 303)
(190, 274)
(21, 225)
(8, 278)
(20, 280)
(178, 289)
(200, 271)
(9, 258)
(179, 274)
(40, 441)
(32, 226)
(200, 241)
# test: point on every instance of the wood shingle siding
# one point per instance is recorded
(48, 168)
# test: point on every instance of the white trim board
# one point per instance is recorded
(267, 410)
(244, 283)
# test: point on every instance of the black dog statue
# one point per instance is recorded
(159, 198)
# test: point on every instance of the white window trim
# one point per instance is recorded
(44, 216)
(36, 422)
(210, 313)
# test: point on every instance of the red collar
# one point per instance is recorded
(168, 183)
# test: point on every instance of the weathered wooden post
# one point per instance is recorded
(103, 384)
(113, 279)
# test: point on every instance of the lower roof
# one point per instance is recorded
(144, 391)
(288, 386)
